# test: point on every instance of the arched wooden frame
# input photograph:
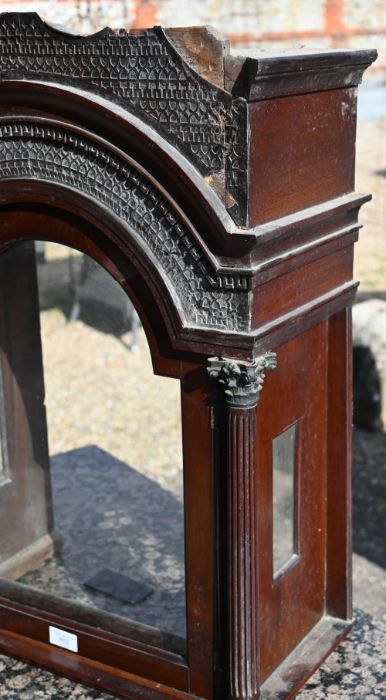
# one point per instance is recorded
(36, 208)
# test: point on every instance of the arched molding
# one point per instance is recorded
(79, 223)
(38, 150)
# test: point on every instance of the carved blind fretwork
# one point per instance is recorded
(36, 150)
(147, 76)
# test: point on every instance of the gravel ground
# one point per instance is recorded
(100, 393)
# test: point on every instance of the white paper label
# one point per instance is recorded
(63, 639)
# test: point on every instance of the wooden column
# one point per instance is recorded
(242, 382)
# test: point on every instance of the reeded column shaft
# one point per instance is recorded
(242, 383)
(242, 553)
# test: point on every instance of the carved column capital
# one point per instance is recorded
(242, 380)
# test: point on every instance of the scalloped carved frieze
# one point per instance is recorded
(35, 150)
(145, 74)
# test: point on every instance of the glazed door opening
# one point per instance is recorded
(93, 510)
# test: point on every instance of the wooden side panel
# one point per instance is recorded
(200, 549)
(301, 152)
(339, 555)
(296, 392)
(25, 500)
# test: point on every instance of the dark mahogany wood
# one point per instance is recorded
(25, 492)
(291, 605)
(242, 544)
(242, 383)
(284, 178)
(218, 191)
(339, 594)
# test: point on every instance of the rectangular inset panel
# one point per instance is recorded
(284, 499)
(283, 177)
(294, 395)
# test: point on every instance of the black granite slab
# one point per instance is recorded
(357, 669)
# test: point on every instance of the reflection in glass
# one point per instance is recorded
(284, 463)
(115, 461)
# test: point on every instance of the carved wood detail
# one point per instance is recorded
(40, 151)
(242, 382)
(242, 557)
(144, 73)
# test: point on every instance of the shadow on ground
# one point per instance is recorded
(369, 495)
(112, 517)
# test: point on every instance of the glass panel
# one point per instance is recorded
(113, 490)
(4, 471)
(284, 458)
